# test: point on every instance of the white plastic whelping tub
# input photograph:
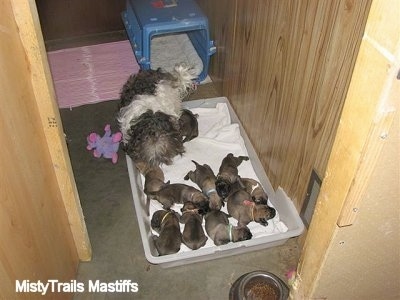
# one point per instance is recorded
(287, 212)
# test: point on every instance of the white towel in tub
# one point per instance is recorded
(217, 137)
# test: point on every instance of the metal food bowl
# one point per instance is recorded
(259, 285)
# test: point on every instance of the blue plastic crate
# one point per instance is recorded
(145, 19)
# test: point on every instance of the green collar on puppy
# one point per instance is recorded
(230, 232)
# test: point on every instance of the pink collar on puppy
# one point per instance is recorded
(248, 202)
(252, 204)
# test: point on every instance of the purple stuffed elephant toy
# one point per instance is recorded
(106, 146)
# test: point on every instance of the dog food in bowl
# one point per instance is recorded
(259, 285)
(261, 291)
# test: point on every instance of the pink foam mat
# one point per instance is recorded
(91, 74)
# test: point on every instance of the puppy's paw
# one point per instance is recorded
(263, 222)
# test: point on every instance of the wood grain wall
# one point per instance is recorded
(63, 19)
(285, 66)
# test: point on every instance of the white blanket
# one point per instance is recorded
(217, 137)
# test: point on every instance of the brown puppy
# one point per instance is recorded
(254, 188)
(153, 180)
(242, 208)
(166, 224)
(188, 125)
(180, 193)
(228, 174)
(193, 234)
(204, 177)
(221, 231)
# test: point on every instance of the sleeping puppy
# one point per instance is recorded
(204, 177)
(221, 231)
(188, 125)
(153, 177)
(228, 174)
(193, 234)
(253, 187)
(153, 180)
(180, 193)
(166, 224)
(245, 210)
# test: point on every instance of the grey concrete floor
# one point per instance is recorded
(110, 217)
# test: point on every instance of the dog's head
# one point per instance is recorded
(160, 217)
(156, 219)
(188, 125)
(223, 187)
(260, 200)
(201, 202)
(188, 206)
(189, 209)
(241, 233)
(263, 213)
(190, 175)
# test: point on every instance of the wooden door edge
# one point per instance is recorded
(27, 20)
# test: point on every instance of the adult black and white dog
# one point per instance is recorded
(149, 112)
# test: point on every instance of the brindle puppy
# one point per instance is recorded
(228, 174)
(204, 177)
(188, 125)
(242, 208)
(166, 224)
(153, 180)
(221, 231)
(179, 193)
(193, 234)
(254, 188)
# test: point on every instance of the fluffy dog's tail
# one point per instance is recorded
(184, 79)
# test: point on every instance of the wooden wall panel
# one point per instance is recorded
(63, 19)
(221, 17)
(363, 179)
(287, 76)
(371, 245)
(26, 18)
(35, 237)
